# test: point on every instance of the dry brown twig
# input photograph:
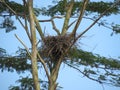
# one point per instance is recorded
(53, 24)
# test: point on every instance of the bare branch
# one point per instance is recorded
(72, 23)
(23, 45)
(82, 73)
(67, 17)
(44, 65)
(9, 8)
(98, 22)
(95, 22)
(33, 44)
(53, 24)
(54, 27)
(25, 19)
(13, 13)
(49, 20)
(24, 26)
(80, 17)
(39, 29)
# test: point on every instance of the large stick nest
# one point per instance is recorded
(55, 46)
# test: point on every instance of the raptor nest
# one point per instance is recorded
(55, 46)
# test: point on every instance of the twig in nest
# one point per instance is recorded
(55, 46)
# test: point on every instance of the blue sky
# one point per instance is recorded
(97, 40)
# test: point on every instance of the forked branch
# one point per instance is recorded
(53, 24)
(54, 27)
(38, 27)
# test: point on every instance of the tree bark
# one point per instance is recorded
(54, 75)
(67, 17)
(34, 48)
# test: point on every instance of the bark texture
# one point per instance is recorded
(34, 48)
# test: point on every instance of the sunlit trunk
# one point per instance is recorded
(34, 48)
(54, 75)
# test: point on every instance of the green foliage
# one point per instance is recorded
(2, 52)
(116, 29)
(19, 11)
(26, 83)
(8, 24)
(98, 7)
(19, 63)
(18, 8)
(58, 9)
(14, 88)
(93, 60)
(94, 66)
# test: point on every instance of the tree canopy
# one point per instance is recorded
(60, 48)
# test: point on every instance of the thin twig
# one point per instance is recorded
(53, 24)
(25, 20)
(10, 8)
(23, 44)
(17, 17)
(82, 72)
(44, 65)
(72, 24)
(98, 22)
(49, 20)
(54, 27)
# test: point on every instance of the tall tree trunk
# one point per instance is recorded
(34, 48)
(54, 75)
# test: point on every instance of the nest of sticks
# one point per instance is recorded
(55, 46)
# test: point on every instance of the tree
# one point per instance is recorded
(61, 48)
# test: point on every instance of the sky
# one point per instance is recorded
(97, 40)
